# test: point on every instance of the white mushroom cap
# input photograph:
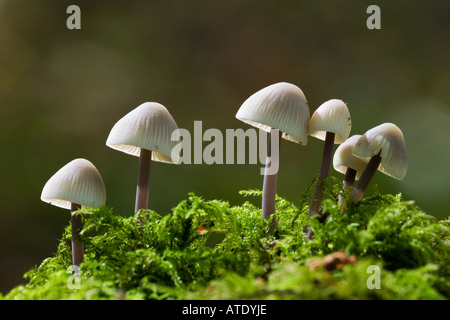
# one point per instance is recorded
(149, 126)
(332, 116)
(281, 106)
(343, 157)
(77, 182)
(388, 139)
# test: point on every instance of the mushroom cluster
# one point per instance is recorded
(280, 109)
(144, 132)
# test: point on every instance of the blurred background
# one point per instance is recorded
(62, 90)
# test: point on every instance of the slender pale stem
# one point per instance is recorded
(270, 183)
(349, 180)
(327, 155)
(325, 165)
(143, 180)
(77, 246)
(365, 178)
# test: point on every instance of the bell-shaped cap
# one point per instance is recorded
(343, 157)
(386, 139)
(149, 126)
(77, 182)
(281, 106)
(331, 116)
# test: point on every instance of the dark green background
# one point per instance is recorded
(61, 91)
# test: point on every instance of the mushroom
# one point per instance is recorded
(345, 162)
(385, 145)
(144, 132)
(331, 122)
(76, 184)
(282, 110)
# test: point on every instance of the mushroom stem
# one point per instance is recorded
(77, 246)
(349, 180)
(143, 180)
(365, 178)
(270, 184)
(327, 156)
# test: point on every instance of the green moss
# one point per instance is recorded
(211, 250)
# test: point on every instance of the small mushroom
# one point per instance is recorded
(144, 132)
(386, 148)
(282, 110)
(76, 184)
(345, 162)
(331, 122)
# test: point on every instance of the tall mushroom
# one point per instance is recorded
(331, 122)
(144, 132)
(76, 184)
(345, 162)
(281, 106)
(386, 148)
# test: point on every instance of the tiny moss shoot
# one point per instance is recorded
(212, 250)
